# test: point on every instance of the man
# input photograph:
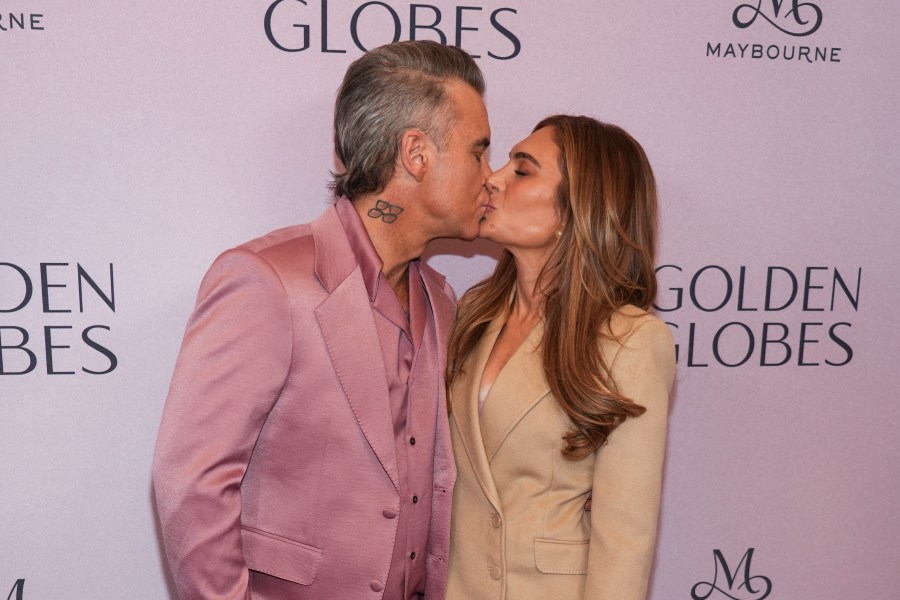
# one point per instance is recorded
(304, 449)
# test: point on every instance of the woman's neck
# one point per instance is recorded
(529, 300)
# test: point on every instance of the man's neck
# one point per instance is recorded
(395, 240)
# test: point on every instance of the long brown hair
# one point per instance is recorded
(607, 205)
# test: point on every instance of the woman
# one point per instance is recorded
(559, 378)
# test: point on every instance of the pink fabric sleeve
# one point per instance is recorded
(232, 366)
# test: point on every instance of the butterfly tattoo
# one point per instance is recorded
(384, 211)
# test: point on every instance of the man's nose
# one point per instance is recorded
(492, 183)
(486, 169)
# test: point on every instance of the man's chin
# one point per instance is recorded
(472, 233)
(465, 231)
(483, 230)
(465, 235)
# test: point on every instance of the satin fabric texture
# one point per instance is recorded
(275, 469)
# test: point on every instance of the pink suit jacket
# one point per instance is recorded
(275, 469)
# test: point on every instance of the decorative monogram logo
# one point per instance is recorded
(18, 591)
(744, 591)
(384, 211)
(804, 18)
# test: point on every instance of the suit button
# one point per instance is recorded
(412, 556)
(389, 513)
(495, 572)
(412, 441)
(376, 585)
(415, 499)
(495, 520)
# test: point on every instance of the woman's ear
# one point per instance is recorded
(414, 153)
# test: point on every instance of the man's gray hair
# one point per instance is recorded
(385, 92)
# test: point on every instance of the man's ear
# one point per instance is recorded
(415, 153)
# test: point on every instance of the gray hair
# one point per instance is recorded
(385, 92)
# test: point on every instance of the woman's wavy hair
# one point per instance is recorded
(603, 261)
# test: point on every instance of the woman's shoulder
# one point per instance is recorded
(641, 342)
(630, 322)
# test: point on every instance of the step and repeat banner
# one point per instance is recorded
(140, 139)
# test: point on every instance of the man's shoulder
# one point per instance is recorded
(283, 254)
(295, 236)
(289, 251)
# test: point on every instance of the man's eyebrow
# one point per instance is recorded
(482, 143)
(526, 156)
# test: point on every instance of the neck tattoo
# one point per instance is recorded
(385, 211)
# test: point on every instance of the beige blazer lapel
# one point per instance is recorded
(518, 387)
(464, 411)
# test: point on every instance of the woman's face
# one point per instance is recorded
(523, 213)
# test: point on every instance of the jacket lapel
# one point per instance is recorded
(348, 327)
(443, 310)
(519, 386)
(465, 412)
(442, 305)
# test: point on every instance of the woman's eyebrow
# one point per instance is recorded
(526, 156)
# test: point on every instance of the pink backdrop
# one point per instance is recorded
(151, 136)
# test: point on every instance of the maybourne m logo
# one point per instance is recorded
(18, 591)
(793, 17)
(747, 590)
(804, 18)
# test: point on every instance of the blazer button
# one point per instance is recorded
(389, 513)
(495, 520)
(415, 499)
(376, 585)
(495, 572)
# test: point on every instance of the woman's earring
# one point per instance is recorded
(558, 233)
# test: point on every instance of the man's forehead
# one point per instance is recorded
(466, 98)
(472, 127)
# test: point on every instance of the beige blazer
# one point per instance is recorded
(519, 529)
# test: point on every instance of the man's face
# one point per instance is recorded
(457, 197)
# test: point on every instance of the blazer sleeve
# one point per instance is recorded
(628, 469)
(232, 366)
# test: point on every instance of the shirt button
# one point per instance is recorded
(412, 556)
(415, 499)
(376, 585)
(495, 572)
(495, 520)
(389, 513)
(412, 441)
